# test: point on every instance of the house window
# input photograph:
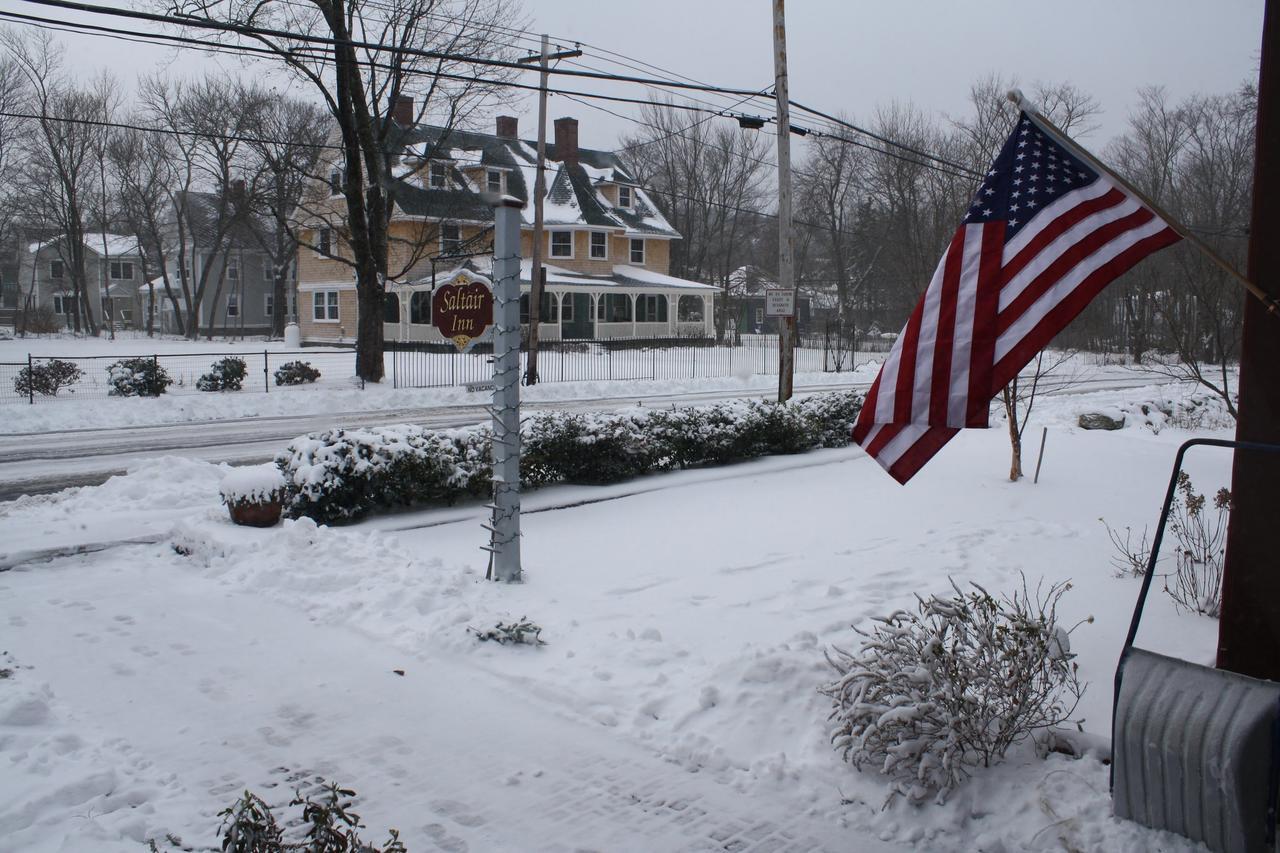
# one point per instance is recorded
(335, 181)
(494, 180)
(56, 270)
(390, 308)
(233, 305)
(122, 270)
(268, 305)
(420, 308)
(624, 196)
(268, 270)
(637, 251)
(324, 241)
(566, 307)
(548, 314)
(759, 316)
(324, 306)
(614, 308)
(437, 176)
(562, 244)
(450, 237)
(599, 246)
(689, 309)
(64, 305)
(651, 308)
(233, 269)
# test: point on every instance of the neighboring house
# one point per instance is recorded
(238, 298)
(606, 249)
(113, 265)
(746, 303)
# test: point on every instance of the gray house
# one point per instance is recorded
(113, 271)
(213, 242)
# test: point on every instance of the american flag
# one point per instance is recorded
(1045, 234)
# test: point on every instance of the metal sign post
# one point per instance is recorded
(504, 532)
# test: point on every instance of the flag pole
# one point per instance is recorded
(1016, 96)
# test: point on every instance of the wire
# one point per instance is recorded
(265, 32)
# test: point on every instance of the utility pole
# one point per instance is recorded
(1249, 629)
(786, 269)
(539, 190)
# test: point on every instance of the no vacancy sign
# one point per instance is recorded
(779, 302)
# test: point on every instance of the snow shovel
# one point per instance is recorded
(1195, 750)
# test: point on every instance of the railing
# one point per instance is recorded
(337, 370)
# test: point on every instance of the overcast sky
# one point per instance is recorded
(851, 56)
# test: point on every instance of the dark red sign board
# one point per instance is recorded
(461, 310)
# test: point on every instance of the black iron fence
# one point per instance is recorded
(439, 365)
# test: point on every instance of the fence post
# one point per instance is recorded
(610, 351)
(266, 373)
(653, 364)
(693, 359)
(31, 380)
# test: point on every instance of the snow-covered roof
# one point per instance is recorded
(117, 245)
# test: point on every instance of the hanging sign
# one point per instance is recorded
(779, 302)
(462, 309)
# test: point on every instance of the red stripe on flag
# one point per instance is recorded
(886, 434)
(1057, 318)
(903, 389)
(945, 336)
(987, 303)
(1056, 228)
(867, 415)
(924, 449)
(1067, 261)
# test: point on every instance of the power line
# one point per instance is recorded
(267, 32)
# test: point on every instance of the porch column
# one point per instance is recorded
(632, 297)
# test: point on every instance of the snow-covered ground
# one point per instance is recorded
(675, 706)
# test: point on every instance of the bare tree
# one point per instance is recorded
(144, 168)
(710, 181)
(288, 136)
(58, 178)
(361, 88)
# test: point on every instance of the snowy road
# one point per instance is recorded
(43, 462)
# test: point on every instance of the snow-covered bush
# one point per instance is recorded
(252, 484)
(344, 474)
(226, 374)
(522, 632)
(46, 379)
(296, 373)
(951, 685)
(339, 475)
(584, 448)
(137, 377)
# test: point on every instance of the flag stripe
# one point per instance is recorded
(1058, 314)
(957, 267)
(1045, 233)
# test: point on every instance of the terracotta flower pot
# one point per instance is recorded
(255, 513)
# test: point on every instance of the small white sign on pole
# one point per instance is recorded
(779, 302)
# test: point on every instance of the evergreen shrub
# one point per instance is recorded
(226, 374)
(137, 377)
(46, 379)
(296, 373)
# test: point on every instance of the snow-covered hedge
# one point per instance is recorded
(952, 685)
(342, 474)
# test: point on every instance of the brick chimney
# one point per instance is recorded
(402, 110)
(567, 140)
(508, 127)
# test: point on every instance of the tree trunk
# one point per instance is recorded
(1009, 395)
